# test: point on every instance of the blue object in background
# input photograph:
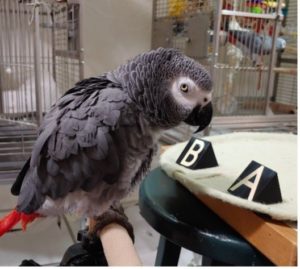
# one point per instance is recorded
(257, 43)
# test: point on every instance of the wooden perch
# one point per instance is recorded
(286, 70)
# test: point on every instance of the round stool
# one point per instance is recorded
(183, 221)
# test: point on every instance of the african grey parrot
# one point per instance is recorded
(97, 141)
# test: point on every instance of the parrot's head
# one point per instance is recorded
(170, 88)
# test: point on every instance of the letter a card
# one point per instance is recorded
(257, 183)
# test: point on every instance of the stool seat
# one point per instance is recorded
(184, 221)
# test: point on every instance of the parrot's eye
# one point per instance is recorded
(184, 87)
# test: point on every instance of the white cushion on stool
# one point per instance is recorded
(234, 152)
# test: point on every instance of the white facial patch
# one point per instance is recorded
(193, 97)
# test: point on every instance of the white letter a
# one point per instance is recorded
(252, 185)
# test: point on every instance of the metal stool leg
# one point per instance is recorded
(167, 253)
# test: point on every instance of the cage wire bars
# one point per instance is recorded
(40, 56)
(245, 48)
(285, 88)
(182, 24)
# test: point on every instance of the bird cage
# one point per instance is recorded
(284, 98)
(40, 56)
(182, 24)
(242, 59)
(246, 45)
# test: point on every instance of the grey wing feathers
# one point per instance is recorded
(75, 148)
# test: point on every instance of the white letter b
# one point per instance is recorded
(192, 152)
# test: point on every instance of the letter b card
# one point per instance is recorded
(197, 154)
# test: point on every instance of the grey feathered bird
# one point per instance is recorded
(99, 138)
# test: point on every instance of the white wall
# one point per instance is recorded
(114, 31)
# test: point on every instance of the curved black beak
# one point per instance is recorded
(200, 116)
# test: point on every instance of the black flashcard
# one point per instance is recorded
(257, 183)
(198, 154)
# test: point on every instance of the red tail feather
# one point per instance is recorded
(10, 220)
